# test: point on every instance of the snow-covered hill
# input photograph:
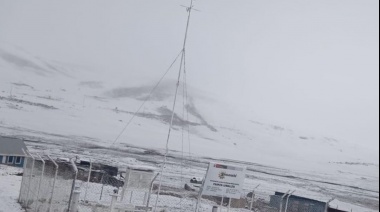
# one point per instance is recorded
(52, 98)
(64, 103)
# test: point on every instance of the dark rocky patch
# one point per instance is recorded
(20, 101)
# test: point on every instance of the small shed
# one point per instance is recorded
(12, 151)
(300, 204)
(297, 203)
(137, 179)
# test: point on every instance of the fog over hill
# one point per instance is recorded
(68, 103)
(64, 111)
(293, 84)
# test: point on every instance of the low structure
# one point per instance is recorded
(12, 151)
(137, 179)
(298, 204)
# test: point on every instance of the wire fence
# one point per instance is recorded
(51, 186)
(45, 186)
(28, 168)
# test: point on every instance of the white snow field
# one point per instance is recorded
(9, 189)
(65, 110)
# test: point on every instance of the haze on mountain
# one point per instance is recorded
(309, 65)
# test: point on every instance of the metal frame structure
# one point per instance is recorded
(75, 169)
(30, 179)
(282, 199)
(40, 181)
(287, 200)
(54, 182)
(328, 204)
(253, 197)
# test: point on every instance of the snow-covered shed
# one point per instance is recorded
(12, 151)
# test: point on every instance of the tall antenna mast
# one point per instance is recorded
(189, 10)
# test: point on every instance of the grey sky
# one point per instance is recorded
(305, 64)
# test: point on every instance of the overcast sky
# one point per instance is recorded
(305, 64)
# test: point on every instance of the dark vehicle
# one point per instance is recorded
(196, 180)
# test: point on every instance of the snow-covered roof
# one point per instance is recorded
(12, 146)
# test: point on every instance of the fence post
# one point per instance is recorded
(101, 191)
(75, 200)
(222, 204)
(150, 191)
(23, 175)
(125, 187)
(30, 180)
(198, 201)
(328, 204)
(201, 191)
(88, 181)
(229, 205)
(282, 199)
(55, 178)
(253, 196)
(113, 201)
(145, 198)
(39, 183)
(75, 169)
(287, 200)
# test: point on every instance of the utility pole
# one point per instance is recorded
(189, 9)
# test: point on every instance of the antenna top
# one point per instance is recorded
(190, 8)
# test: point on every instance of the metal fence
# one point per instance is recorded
(45, 186)
(48, 186)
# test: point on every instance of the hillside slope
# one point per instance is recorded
(50, 100)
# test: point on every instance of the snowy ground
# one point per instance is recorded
(354, 191)
(9, 189)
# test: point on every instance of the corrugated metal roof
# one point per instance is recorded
(12, 146)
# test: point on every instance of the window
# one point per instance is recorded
(10, 159)
(18, 160)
